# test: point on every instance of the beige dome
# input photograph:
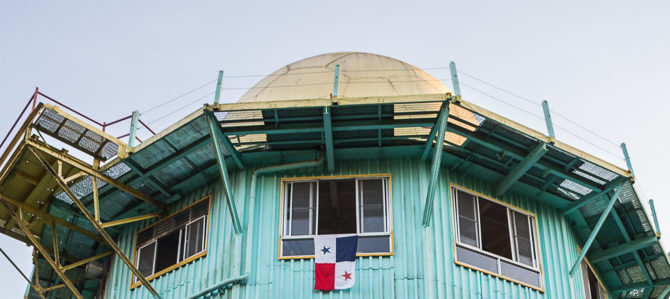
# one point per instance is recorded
(361, 75)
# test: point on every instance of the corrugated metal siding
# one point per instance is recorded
(422, 267)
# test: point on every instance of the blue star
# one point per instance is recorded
(325, 249)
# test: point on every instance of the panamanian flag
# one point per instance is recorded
(335, 261)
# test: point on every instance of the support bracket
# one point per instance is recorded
(596, 229)
(621, 249)
(108, 239)
(214, 131)
(437, 160)
(593, 195)
(43, 251)
(520, 169)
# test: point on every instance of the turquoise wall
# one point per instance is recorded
(422, 267)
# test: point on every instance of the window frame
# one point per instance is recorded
(388, 210)
(134, 282)
(595, 274)
(536, 250)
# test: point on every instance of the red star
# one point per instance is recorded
(347, 276)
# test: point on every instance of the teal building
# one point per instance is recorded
(448, 199)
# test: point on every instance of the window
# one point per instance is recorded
(592, 287)
(358, 205)
(173, 241)
(496, 238)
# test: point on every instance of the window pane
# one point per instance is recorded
(467, 222)
(523, 239)
(468, 231)
(466, 205)
(520, 273)
(194, 238)
(167, 250)
(145, 259)
(298, 247)
(287, 207)
(378, 244)
(593, 284)
(337, 207)
(494, 228)
(477, 259)
(301, 209)
(585, 280)
(372, 200)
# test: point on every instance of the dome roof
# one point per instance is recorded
(361, 75)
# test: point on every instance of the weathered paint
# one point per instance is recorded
(422, 266)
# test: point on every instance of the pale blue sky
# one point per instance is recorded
(602, 64)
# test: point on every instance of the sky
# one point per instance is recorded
(602, 65)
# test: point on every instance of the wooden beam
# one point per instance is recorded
(129, 220)
(108, 239)
(86, 261)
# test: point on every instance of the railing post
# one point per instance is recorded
(547, 119)
(454, 79)
(133, 128)
(37, 90)
(653, 214)
(627, 157)
(217, 94)
(336, 81)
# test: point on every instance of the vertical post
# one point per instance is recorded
(336, 82)
(627, 157)
(328, 133)
(454, 79)
(217, 94)
(96, 199)
(547, 118)
(133, 128)
(596, 229)
(653, 214)
(37, 90)
(54, 239)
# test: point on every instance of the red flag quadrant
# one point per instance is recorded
(335, 261)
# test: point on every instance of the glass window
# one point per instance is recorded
(372, 208)
(336, 206)
(145, 258)
(171, 240)
(494, 228)
(195, 237)
(467, 218)
(495, 238)
(592, 289)
(523, 238)
(167, 251)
